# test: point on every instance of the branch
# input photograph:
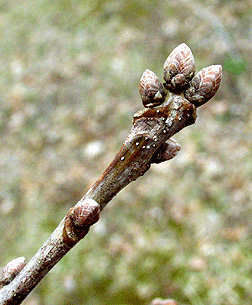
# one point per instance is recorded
(168, 109)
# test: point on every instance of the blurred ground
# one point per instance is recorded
(68, 90)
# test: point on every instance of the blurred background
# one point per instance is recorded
(68, 91)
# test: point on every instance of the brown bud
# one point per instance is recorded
(166, 151)
(72, 233)
(204, 85)
(179, 68)
(151, 89)
(11, 270)
(86, 214)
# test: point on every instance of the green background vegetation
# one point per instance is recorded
(68, 90)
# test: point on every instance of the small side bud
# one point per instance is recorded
(86, 214)
(204, 85)
(179, 69)
(11, 270)
(166, 151)
(79, 219)
(151, 89)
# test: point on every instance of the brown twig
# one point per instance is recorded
(148, 142)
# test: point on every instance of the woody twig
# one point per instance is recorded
(169, 107)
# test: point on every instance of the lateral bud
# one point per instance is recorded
(151, 90)
(11, 270)
(86, 214)
(204, 85)
(166, 151)
(79, 219)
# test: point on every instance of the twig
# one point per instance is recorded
(148, 142)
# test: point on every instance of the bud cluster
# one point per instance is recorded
(180, 78)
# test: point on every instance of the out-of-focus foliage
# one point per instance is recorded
(69, 87)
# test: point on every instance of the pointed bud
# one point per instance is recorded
(204, 85)
(151, 89)
(179, 68)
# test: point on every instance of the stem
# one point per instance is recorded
(145, 144)
(151, 128)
